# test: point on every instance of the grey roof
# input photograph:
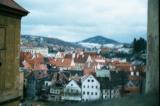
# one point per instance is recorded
(12, 7)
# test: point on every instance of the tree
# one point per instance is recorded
(139, 45)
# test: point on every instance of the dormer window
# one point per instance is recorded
(137, 73)
(132, 73)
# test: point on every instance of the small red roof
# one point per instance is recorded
(40, 67)
(123, 66)
(66, 62)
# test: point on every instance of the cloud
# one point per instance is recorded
(72, 19)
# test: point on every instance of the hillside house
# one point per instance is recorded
(63, 63)
(60, 55)
(34, 83)
(35, 50)
(72, 91)
(56, 92)
(79, 60)
(90, 88)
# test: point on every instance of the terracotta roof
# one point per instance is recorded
(123, 66)
(68, 56)
(115, 62)
(92, 54)
(34, 62)
(12, 5)
(80, 58)
(89, 69)
(132, 89)
(40, 67)
(61, 62)
(26, 65)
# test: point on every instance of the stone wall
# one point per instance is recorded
(152, 70)
(9, 58)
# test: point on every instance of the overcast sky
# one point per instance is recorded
(75, 20)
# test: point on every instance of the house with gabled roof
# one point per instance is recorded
(90, 88)
(72, 91)
(79, 60)
(56, 92)
(63, 63)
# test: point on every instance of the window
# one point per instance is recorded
(46, 84)
(88, 80)
(71, 84)
(132, 73)
(92, 86)
(91, 93)
(87, 93)
(84, 86)
(92, 80)
(88, 86)
(137, 73)
(83, 92)
(96, 86)
(95, 93)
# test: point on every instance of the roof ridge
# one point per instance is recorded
(13, 5)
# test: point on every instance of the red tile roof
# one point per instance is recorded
(89, 69)
(80, 58)
(132, 89)
(26, 65)
(66, 62)
(68, 56)
(34, 62)
(40, 67)
(123, 66)
(92, 54)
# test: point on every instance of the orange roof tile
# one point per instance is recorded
(66, 62)
(123, 66)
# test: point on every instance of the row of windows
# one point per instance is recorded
(90, 86)
(71, 90)
(90, 80)
(90, 93)
(108, 92)
(136, 73)
(55, 91)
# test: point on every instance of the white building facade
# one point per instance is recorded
(90, 89)
(110, 93)
(34, 50)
